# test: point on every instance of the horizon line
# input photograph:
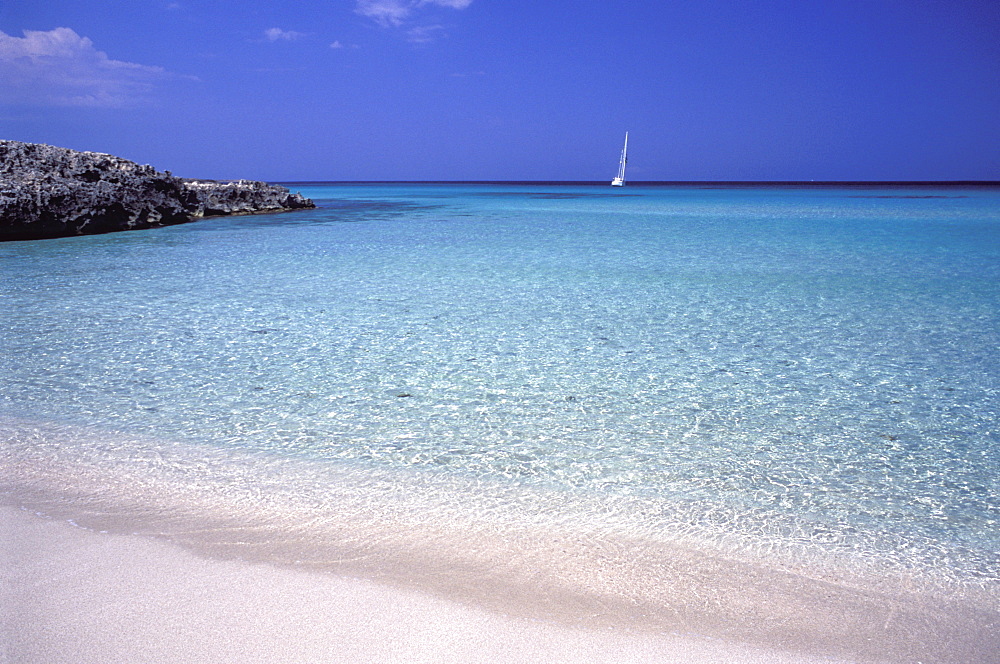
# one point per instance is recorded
(664, 182)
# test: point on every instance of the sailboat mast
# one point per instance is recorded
(624, 157)
(620, 178)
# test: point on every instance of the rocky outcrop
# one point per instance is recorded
(48, 192)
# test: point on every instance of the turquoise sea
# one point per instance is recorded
(767, 413)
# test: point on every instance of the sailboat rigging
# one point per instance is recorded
(619, 180)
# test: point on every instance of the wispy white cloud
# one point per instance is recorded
(61, 68)
(423, 34)
(385, 12)
(277, 34)
(396, 12)
(454, 4)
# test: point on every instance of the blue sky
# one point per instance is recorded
(512, 89)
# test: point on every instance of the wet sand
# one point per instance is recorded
(68, 594)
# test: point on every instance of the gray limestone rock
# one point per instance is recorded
(48, 192)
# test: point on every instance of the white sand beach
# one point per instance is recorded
(68, 594)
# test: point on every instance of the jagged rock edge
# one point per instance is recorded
(48, 192)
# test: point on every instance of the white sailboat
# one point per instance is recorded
(619, 180)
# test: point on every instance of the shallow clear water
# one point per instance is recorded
(783, 364)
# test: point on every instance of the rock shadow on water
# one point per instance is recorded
(552, 195)
(326, 212)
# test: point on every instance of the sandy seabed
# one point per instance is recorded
(68, 594)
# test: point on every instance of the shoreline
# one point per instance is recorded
(528, 556)
(74, 595)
